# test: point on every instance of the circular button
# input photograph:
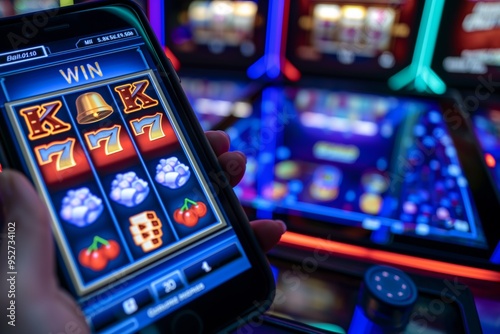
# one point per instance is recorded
(187, 322)
(388, 296)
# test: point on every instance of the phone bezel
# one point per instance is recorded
(234, 302)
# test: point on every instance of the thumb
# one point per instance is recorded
(26, 235)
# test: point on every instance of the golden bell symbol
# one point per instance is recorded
(92, 108)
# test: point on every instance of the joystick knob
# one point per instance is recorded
(386, 299)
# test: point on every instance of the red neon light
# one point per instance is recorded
(284, 30)
(290, 71)
(367, 254)
(175, 62)
(490, 160)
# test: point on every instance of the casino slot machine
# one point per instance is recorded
(370, 39)
(390, 197)
(363, 175)
(469, 61)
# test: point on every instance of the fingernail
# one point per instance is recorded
(243, 155)
(225, 133)
(282, 224)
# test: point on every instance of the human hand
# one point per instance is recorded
(41, 305)
(268, 232)
(36, 301)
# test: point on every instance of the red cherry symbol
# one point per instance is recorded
(98, 260)
(190, 218)
(200, 208)
(84, 257)
(178, 217)
(99, 253)
(190, 213)
(111, 250)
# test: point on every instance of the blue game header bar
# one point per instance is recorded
(73, 74)
(19, 56)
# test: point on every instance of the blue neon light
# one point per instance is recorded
(270, 63)
(495, 257)
(419, 75)
(156, 16)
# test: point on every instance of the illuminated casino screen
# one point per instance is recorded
(219, 102)
(232, 106)
(468, 57)
(225, 33)
(350, 37)
(487, 128)
(369, 168)
(468, 43)
(386, 165)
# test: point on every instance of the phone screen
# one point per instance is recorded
(138, 226)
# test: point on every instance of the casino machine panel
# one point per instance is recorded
(222, 34)
(358, 170)
(369, 175)
(468, 46)
(467, 58)
(369, 39)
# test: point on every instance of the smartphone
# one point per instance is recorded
(148, 229)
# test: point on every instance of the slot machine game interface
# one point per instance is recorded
(390, 197)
